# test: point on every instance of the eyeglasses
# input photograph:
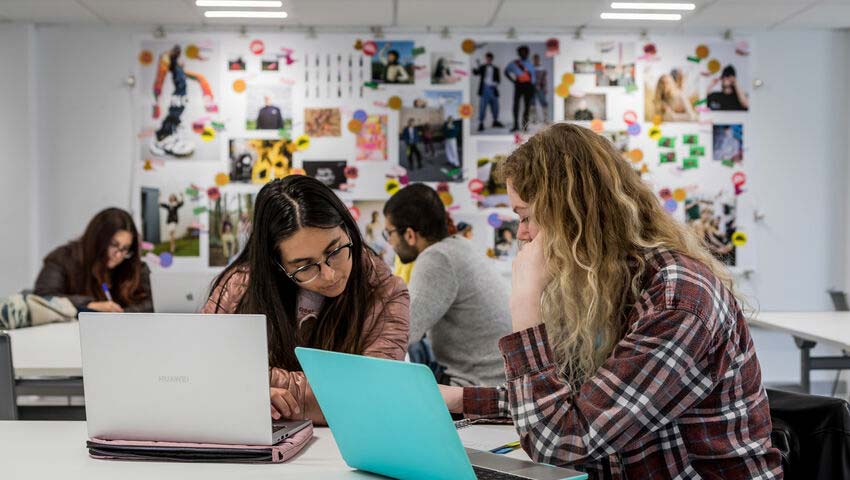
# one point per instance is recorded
(125, 252)
(335, 260)
(388, 233)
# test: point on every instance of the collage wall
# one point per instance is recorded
(220, 115)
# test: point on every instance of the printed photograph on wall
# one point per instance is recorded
(322, 122)
(586, 107)
(177, 114)
(443, 68)
(489, 154)
(235, 62)
(258, 160)
(670, 90)
(616, 67)
(714, 219)
(372, 224)
(168, 222)
(372, 139)
(393, 62)
(728, 142)
(620, 140)
(269, 107)
(729, 88)
(230, 217)
(511, 88)
(431, 137)
(505, 243)
(329, 172)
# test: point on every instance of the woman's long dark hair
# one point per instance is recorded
(92, 251)
(282, 208)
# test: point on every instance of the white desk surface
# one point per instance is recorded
(822, 327)
(47, 350)
(57, 450)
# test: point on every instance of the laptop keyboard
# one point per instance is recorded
(487, 474)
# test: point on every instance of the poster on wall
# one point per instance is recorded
(168, 221)
(372, 225)
(258, 160)
(445, 68)
(322, 122)
(505, 243)
(372, 139)
(490, 152)
(393, 62)
(714, 219)
(728, 88)
(586, 107)
(269, 107)
(329, 172)
(614, 64)
(180, 104)
(728, 142)
(671, 87)
(511, 86)
(230, 217)
(431, 137)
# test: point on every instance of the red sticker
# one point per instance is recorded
(355, 213)
(739, 179)
(476, 186)
(630, 117)
(257, 47)
(370, 48)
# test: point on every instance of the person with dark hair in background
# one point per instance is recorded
(456, 296)
(488, 90)
(410, 136)
(541, 84)
(465, 230)
(521, 73)
(307, 269)
(731, 96)
(107, 255)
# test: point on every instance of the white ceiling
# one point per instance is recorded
(521, 14)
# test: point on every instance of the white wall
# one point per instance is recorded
(17, 167)
(798, 143)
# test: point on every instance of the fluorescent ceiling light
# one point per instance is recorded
(639, 16)
(240, 3)
(243, 14)
(652, 6)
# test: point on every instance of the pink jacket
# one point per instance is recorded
(385, 329)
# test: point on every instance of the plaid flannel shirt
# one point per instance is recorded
(679, 397)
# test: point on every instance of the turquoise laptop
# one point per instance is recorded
(388, 417)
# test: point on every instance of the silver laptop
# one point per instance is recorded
(179, 378)
(180, 292)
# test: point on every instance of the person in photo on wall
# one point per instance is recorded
(174, 204)
(428, 140)
(269, 117)
(731, 96)
(243, 230)
(394, 71)
(488, 90)
(108, 255)
(442, 72)
(308, 270)
(727, 147)
(583, 113)
(167, 140)
(630, 355)
(521, 73)
(670, 101)
(450, 134)
(411, 137)
(507, 246)
(541, 80)
(228, 241)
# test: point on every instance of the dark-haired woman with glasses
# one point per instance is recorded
(105, 259)
(306, 268)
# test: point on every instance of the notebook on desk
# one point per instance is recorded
(375, 406)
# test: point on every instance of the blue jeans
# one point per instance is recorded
(488, 97)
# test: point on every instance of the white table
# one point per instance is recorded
(809, 329)
(57, 450)
(47, 351)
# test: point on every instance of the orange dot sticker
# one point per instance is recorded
(446, 198)
(239, 86)
(739, 239)
(713, 65)
(392, 186)
(193, 52)
(636, 155)
(358, 44)
(562, 90)
(468, 46)
(597, 125)
(354, 125)
(291, 147)
(680, 194)
(644, 169)
(657, 119)
(465, 110)
(208, 134)
(145, 57)
(568, 78)
(394, 102)
(302, 142)
(222, 179)
(702, 51)
(148, 165)
(654, 133)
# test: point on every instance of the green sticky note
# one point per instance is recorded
(701, 102)
(697, 151)
(667, 142)
(218, 126)
(690, 139)
(727, 163)
(667, 157)
(192, 192)
(418, 51)
(631, 88)
(690, 163)
(199, 210)
(370, 84)
(694, 59)
(454, 172)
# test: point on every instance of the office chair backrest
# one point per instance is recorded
(839, 300)
(8, 403)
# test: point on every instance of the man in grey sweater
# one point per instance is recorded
(456, 295)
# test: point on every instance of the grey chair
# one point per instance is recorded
(8, 401)
(839, 303)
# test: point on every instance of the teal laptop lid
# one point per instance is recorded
(387, 417)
